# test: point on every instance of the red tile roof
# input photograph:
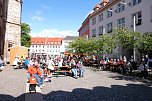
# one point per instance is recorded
(46, 40)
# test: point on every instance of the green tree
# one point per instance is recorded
(145, 43)
(25, 37)
(126, 38)
(78, 46)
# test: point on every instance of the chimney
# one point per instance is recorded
(96, 8)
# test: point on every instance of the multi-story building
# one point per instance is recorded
(65, 43)
(84, 30)
(113, 13)
(13, 26)
(3, 13)
(121, 13)
(46, 46)
(49, 46)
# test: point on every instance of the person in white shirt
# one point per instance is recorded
(16, 62)
(50, 66)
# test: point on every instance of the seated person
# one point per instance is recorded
(73, 68)
(80, 67)
(1, 63)
(16, 62)
(35, 71)
(111, 61)
(114, 62)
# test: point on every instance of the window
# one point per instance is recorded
(100, 17)
(36, 46)
(94, 33)
(33, 46)
(138, 18)
(121, 22)
(134, 2)
(10, 45)
(43, 46)
(48, 46)
(109, 27)
(120, 7)
(100, 29)
(109, 13)
(93, 21)
(39, 45)
(58, 46)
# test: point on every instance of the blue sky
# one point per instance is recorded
(56, 18)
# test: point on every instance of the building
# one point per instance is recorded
(84, 30)
(13, 26)
(66, 41)
(49, 46)
(46, 46)
(110, 14)
(113, 13)
(3, 13)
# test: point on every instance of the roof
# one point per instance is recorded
(70, 37)
(46, 40)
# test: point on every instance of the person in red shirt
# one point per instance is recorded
(34, 70)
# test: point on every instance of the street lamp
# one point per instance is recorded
(134, 29)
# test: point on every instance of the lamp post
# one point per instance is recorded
(134, 29)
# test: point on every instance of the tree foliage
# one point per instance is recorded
(126, 38)
(145, 41)
(92, 45)
(25, 37)
(122, 37)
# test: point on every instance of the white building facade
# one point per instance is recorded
(120, 13)
(110, 14)
(46, 46)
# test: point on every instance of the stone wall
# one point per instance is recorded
(2, 24)
(13, 26)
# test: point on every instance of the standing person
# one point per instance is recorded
(27, 63)
(50, 66)
(35, 71)
(146, 61)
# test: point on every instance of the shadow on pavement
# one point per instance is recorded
(130, 92)
(145, 82)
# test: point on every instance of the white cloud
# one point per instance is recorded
(54, 33)
(37, 16)
(46, 7)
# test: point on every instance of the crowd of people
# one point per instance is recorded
(42, 68)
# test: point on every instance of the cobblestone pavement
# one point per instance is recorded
(97, 86)
(12, 84)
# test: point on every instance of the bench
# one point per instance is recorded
(62, 69)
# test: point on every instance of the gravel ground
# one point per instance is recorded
(97, 86)
(12, 84)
